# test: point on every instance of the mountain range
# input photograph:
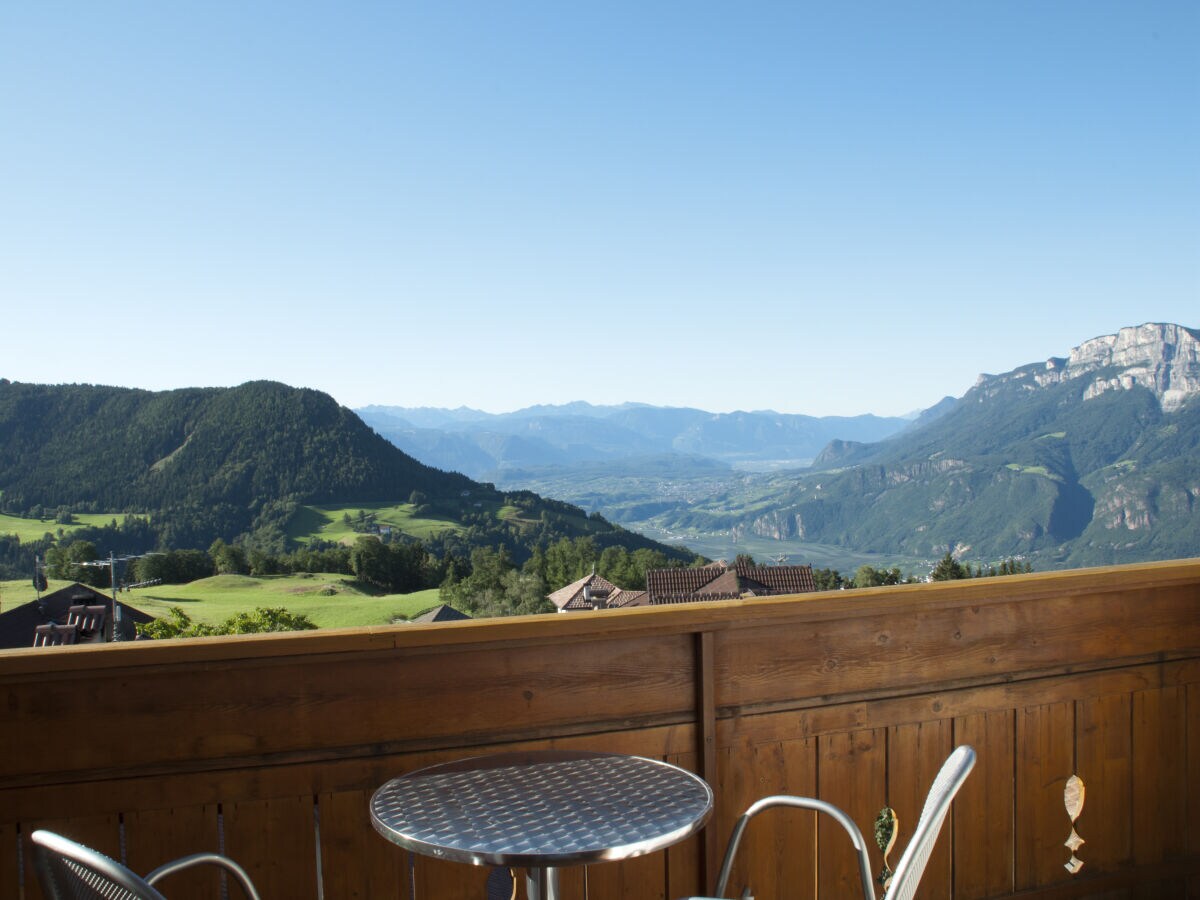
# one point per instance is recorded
(1088, 458)
(490, 446)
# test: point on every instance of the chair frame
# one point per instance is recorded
(904, 880)
(58, 858)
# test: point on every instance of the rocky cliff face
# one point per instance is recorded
(1163, 358)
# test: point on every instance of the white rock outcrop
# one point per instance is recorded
(1161, 357)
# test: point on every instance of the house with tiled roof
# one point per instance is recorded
(594, 592)
(720, 581)
(76, 614)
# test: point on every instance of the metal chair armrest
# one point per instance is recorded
(864, 862)
(206, 858)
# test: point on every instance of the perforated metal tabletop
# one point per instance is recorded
(542, 809)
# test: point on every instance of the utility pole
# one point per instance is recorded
(39, 577)
(111, 562)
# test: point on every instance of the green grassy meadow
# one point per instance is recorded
(327, 523)
(329, 600)
(36, 529)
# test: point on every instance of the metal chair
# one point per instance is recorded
(904, 881)
(70, 871)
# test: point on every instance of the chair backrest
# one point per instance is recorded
(71, 871)
(912, 864)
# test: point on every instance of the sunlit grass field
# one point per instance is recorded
(328, 523)
(36, 529)
(328, 600)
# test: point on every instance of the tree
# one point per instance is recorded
(178, 624)
(949, 569)
(265, 619)
(481, 593)
(229, 559)
(369, 562)
(828, 579)
(76, 555)
(525, 594)
(173, 567)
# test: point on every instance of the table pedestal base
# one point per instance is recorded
(542, 883)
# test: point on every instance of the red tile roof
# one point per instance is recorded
(719, 582)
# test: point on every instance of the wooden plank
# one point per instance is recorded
(1104, 760)
(356, 861)
(436, 878)
(157, 836)
(10, 862)
(248, 712)
(685, 871)
(764, 665)
(1159, 783)
(706, 734)
(852, 775)
(630, 879)
(1044, 762)
(732, 794)
(274, 840)
(787, 838)
(163, 790)
(983, 815)
(778, 853)
(1192, 717)
(915, 755)
(823, 715)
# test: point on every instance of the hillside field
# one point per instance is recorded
(36, 529)
(327, 523)
(329, 600)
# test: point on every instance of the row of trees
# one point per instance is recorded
(947, 569)
(495, 586)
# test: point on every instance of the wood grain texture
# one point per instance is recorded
(852, 775)
(303, 707)
(275, 841)
(872, 654)
(1104, 760)
(915, 755)
(1192, 718)
(1159, 782)
(685, 872)
(1044, 762)
(10, 863)
(984, 814)
(357, 863)
(778, 853)
(157, 836)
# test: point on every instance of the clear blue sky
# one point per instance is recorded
(823, 208)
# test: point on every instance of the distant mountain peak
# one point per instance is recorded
(1161, 357)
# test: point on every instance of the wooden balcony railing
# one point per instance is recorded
(268, 747)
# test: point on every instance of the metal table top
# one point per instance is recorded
(543, 808)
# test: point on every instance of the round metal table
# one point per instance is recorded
(542, 810)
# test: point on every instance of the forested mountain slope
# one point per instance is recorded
(1090, 459)
(238, 462)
